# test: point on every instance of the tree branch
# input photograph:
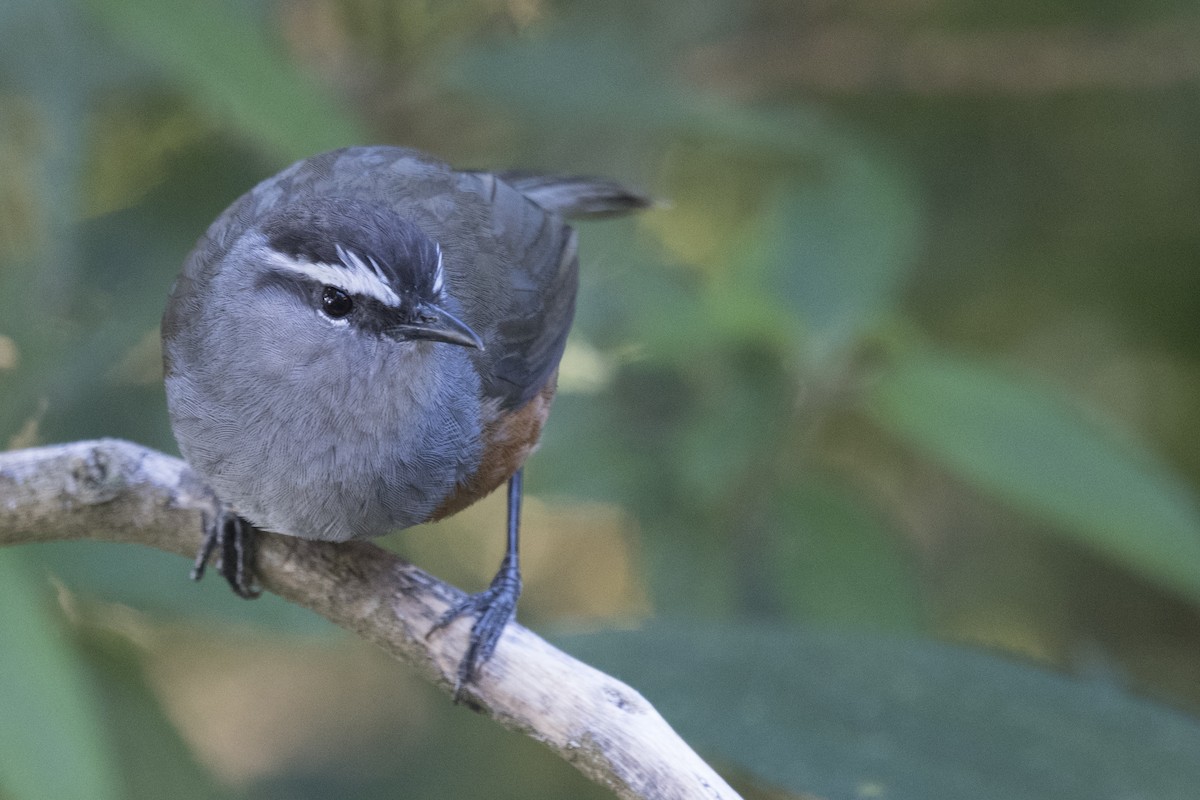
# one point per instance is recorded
(116, 491)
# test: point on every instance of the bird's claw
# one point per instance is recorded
(234, 538)
(493, 609)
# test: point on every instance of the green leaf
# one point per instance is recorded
(1030, 447)
(597, 68)
(835, 248)
(851, 716)
(157, 582)
(830, 559)
(155, 760)
(566, 72)
(52, 743)
(225, 57)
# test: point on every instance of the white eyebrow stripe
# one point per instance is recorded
(439, 275)
(353, 261)
(353, 276)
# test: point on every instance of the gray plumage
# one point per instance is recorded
(323, 431)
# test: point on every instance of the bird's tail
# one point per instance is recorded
(577, 197)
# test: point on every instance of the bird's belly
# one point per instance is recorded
(340, 493)
(337, 507)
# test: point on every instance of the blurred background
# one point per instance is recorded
(874, 463)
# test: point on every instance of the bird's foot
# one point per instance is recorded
(234, 538)
(493, 609)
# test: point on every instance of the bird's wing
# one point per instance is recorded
(542, 266)
(521, 289)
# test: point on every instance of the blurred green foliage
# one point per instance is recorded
(883, 710)
(52, 743)
(907, 353)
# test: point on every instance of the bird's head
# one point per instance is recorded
(361, 267)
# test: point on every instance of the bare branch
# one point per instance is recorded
(116, 491)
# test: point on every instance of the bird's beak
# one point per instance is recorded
(435, 324)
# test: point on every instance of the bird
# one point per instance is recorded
(370, 340)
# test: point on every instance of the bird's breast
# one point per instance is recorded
(413, 435)
(338, 451)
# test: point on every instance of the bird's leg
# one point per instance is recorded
(236, 539)
(496, 605)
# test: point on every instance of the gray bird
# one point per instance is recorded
(370, 340)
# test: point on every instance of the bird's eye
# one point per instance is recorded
(335, 302)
